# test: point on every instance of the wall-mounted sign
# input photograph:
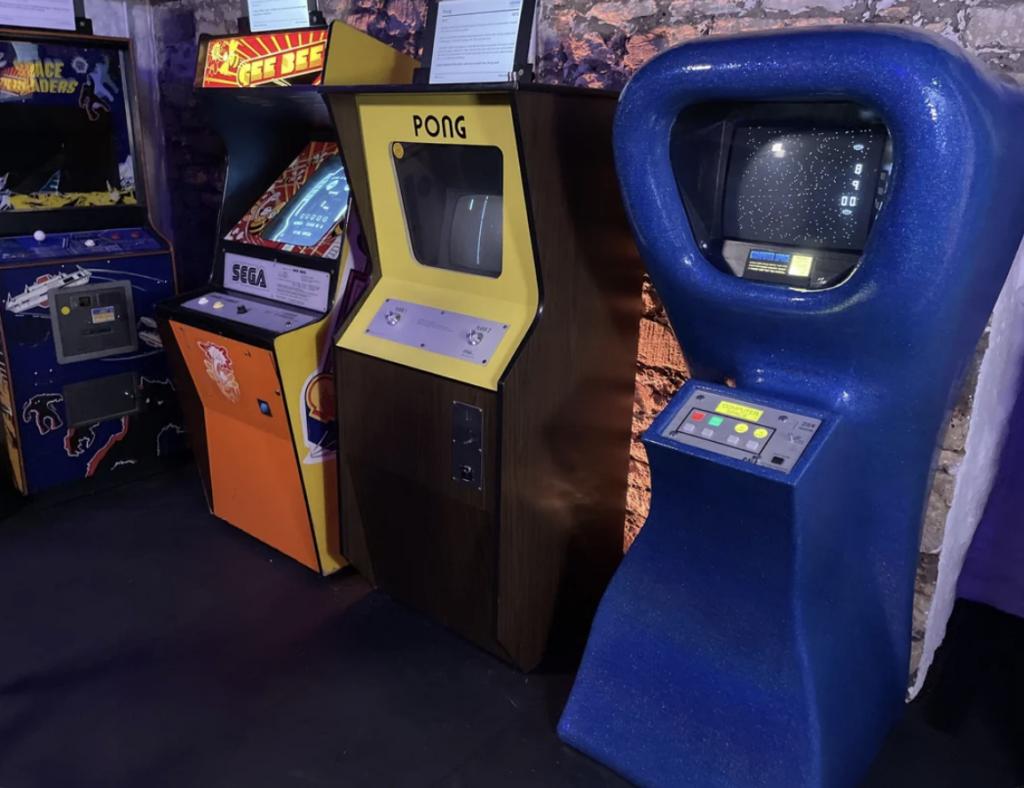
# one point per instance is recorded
(268, 59)
(475, 41)
(277, 14)
(51, 14)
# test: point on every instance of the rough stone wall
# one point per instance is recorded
(194, 154)
(596, 44)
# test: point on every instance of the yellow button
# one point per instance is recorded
(741, 428)
(760, 432)
(218, 304)
(65, 310)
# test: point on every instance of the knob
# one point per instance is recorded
(242, 309)
(392, 318)
(474, 337)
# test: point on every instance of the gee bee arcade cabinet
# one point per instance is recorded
(828, 216)
(485, 384)
(84, 384)
(250, 348)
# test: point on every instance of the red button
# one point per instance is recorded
(697, 417)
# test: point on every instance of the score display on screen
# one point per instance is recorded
(315, 209)
(802, 187)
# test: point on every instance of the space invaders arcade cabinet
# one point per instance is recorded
(251, 347)
(85, 390)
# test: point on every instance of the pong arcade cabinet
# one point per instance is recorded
(251, 347)
(828, 215)
(85, 389)
(485, 383)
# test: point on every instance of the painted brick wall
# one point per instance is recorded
(594, 44)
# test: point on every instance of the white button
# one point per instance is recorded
(733, 439)
(204, 301)
(90, 242)
(39, 235)
(752, 445)
(706, 433)
(688, 428)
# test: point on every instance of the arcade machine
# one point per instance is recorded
(485, 383)
(829, 232)
(250, 348)
(85, 389)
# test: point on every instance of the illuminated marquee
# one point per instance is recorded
(269, 59)
(25, 77)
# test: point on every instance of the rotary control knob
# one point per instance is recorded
(474, 337)
(392, 318)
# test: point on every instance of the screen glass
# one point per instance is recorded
(806, 187)
(315, 210)
(66, 131)
(453, 206)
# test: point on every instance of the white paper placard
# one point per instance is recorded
(51, 14)
(277, 15)
(302, 287)
(475, 41)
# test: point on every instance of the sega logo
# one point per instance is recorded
(445, 127)
(248, 275)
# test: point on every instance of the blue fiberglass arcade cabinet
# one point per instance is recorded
(85, 390)
(828, 216)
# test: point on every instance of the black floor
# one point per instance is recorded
(144, 644)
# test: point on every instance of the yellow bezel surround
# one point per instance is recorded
(512, 298)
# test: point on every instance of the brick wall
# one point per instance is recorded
(597, 45)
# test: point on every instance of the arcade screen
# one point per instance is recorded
(66, 131)
(802, 187)
(453, 205)
(304, 210)
(315, 210)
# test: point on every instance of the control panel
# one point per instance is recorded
(256, 312)
(742, 430)
(93, 321)
(451, 334)
(43, 246)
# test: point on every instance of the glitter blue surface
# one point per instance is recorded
(757, 634)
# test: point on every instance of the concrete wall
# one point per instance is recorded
(597, 44)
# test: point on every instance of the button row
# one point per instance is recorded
(732, 440)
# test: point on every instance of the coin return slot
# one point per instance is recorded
(777, 460)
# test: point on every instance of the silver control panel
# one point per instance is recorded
(451, 334)
(742, 430)
(279, 318)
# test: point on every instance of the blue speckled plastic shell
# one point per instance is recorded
(758, 631)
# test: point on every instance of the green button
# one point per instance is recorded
(715, 421)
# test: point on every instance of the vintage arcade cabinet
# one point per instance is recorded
(828, 215)
(251, 347)
(85, 389)
(485, 383)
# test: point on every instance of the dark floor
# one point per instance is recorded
(144, 644)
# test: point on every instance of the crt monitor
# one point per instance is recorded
(452, 205)
(782, 193)
(303, 211)
(315, 210)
